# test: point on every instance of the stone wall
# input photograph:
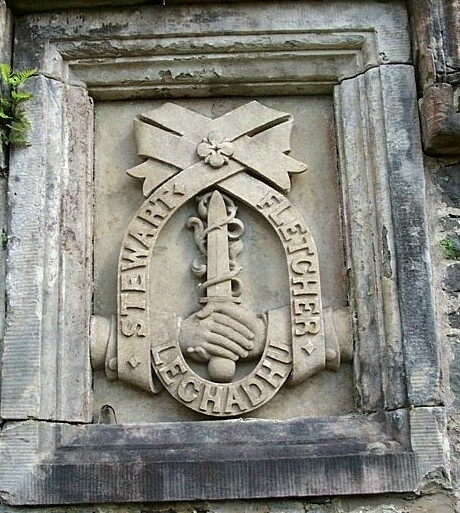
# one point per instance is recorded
(441, 492)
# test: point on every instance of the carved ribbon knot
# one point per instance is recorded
(257, 139)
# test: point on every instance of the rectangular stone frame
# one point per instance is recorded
(50, 451)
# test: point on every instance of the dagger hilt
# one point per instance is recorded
(220, 369)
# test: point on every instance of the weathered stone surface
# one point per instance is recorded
(452, 278)
(448, 180)
(209, 64)
(454, 319)
(436, 25)
(440, 120)
(49, 259)
(436, 42)
(454, 439)
(53, 5)
(428, 430)
(402, 255)
(430, 503)
(6, 35)
(386, 244)
(451, 223)
(454, 370)
(435, 503)
(261, 259)
(259, 459)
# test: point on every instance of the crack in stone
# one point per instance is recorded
(375, 66)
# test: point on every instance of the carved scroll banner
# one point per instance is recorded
(237, 158)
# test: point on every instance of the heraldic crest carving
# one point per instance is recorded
(238, 158)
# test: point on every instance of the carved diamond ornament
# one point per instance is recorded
(223, 359)
(309, 347)
(134, 361)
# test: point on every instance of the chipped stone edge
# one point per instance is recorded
(430, 444)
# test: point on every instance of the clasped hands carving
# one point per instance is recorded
(223, 330)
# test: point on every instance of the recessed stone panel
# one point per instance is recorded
(264, 277)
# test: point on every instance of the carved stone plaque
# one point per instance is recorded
(223, 358)
(345, 78)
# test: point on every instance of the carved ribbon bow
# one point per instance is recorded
(252, 137)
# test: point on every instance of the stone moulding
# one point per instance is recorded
(50, 451)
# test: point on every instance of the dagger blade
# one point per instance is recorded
(218, 256)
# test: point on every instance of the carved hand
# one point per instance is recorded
(223, 330)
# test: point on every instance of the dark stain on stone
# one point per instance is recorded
(108, 29)
(450, 223)
(206, 17)
(454, 319)
(386, 255)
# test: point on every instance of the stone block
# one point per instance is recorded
(48, 230)
(454, 374)
(6, 39)
(451, 281)
(451, 223)
(448, 181)
(454, 319)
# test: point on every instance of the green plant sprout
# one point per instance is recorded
(451, 248)
(13, 121)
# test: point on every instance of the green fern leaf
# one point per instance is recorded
(17, 140)
(16, 135)
(5, 71)
(13, 121)
(20, 77)
(5, 104)
(19, 97)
